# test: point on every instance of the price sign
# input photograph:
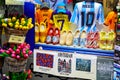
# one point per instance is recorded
(14, 2)
(16, 39)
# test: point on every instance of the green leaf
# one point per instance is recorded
(14, 48)
(4, 55)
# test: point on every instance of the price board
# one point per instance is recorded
(14, 2)
(16, 39)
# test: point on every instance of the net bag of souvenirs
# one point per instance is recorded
(14, 65)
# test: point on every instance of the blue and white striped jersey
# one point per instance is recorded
(54, 3)
(38, 1)
(86, 14)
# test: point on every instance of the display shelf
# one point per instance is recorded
(72, 49)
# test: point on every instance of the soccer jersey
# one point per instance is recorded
(111, 19)
(61, 20)
(38, 1)
(86, 14)
(43, 16)
(54, 3)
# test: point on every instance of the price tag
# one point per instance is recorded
(14, 2)
(16, 39)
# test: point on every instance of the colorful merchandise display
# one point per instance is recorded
(86, 16)
(68, 42)
(64, 48)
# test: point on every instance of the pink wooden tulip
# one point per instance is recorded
(22, 45)
(7, 51)
(10, 49)
(13, 56)
(18, 57)
(2, 50)
(26, 56)
(30, 52)
(28, 45)
(24, 52)
(19, 47)
(24, 49)
(17, 51)
(13, 52)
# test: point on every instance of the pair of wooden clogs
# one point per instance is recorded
(107, 40)
(66, 38)
(92, 40)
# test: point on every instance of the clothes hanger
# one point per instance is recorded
(44, 6)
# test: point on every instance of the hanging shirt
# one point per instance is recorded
(54, 3)
(38, 1)
(110, 20)
(42, 15)
(61, 20)
(86, 14)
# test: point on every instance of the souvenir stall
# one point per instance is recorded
(69, 39)
(73, 44)
(14, 48)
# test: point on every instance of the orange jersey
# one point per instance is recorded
(110, 20)
(43, 16)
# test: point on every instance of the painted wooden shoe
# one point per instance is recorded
(43, 32)
(63, 38)
(69, 38)
(76, 38)
(83, 37)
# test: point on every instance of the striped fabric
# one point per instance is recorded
(86, 14)
(54, 3)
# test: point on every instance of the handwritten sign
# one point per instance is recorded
(16, 39)
(14, 2)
